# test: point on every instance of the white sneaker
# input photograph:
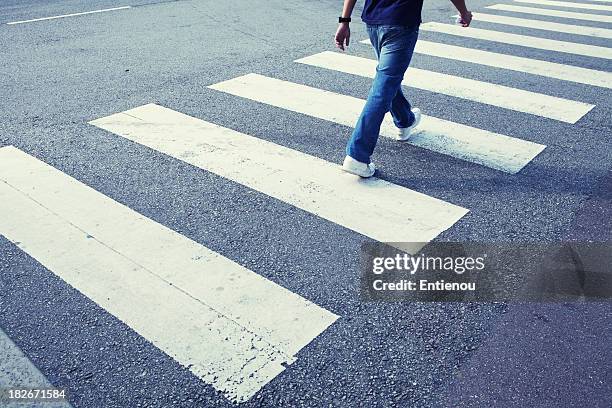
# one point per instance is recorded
(358, 168)
(404, 133)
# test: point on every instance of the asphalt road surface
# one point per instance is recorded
(540, 172)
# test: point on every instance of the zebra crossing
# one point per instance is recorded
(552, 13)
(568, 4)
(545, 25)
(457, 140)
(532, 66)
(484, 92)
(546, 44)
(390, 213)
(165, 287)
(208, 312)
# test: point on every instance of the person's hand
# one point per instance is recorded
(465, 18)
(343, 35)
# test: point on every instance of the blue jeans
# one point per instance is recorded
(394, 46)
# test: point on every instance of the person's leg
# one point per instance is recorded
(395, 45)
(401, 110)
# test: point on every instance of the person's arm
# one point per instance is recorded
(343, 34)
(464, 14)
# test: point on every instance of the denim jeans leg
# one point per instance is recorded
(401, 110)
(394, 46)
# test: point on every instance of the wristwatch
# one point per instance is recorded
(344, 19)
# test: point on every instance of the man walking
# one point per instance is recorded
(393, 27)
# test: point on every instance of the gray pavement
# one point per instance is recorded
(57, 75)
(17, 373)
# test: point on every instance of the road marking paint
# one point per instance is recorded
(567, 4)
(545, 25)
(464, 142)
(514, 63)
(207, 312)
(521, 40)
(552, 13)
(552, 107)
(375, 208)
(69, 15)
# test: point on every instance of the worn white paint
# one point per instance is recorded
(567, 4)
(464, 142)
(375, 208)
(68, 15)
(520, 64)
(519, 100)
(545, 25)
(520, 40)
(230, 326)
(552, 13)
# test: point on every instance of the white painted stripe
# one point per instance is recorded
(568, 4)
(514, 63)
(545, 25)
(521, 40)
(464, 142)
(208, 313)
(375, 208)
(69, 15)
(552, 13)
(492, 94)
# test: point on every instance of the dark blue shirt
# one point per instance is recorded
(392, 12)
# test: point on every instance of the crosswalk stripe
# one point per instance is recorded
(492, 94)
(375, 208)
(514, 63)
(464, 142)
(545, 25)
(521, 40)
(552, 13)
(163, 285)
(568, 4)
